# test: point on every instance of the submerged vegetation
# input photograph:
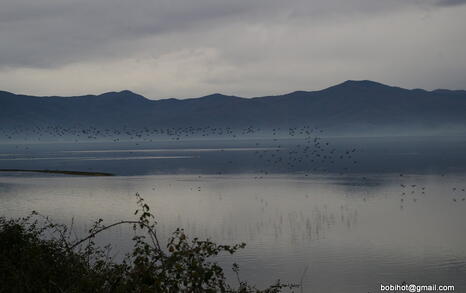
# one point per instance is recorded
(38, 255)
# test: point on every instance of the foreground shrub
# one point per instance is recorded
(37, 255)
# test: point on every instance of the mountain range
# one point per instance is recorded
(349, 106)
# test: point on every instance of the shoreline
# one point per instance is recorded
(64, 172)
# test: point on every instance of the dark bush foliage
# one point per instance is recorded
(37, 255)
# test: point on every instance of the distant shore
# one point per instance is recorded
(78, 173)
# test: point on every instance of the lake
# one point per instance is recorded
(374, 211)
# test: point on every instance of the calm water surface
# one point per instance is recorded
(352, 231)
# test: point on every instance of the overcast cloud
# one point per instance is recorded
(188, 48)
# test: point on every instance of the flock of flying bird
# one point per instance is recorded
(116, 134)
(301, 149)
(309, 154)
(414, 192)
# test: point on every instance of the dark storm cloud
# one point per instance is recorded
(450, 2)
(190, 47)
(47, 33)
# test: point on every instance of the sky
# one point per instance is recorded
(191, 48)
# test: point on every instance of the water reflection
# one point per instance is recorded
(353, 232)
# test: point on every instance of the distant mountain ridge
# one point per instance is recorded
(351, 105)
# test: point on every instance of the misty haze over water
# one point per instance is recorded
(328, 135)
(373, 210)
